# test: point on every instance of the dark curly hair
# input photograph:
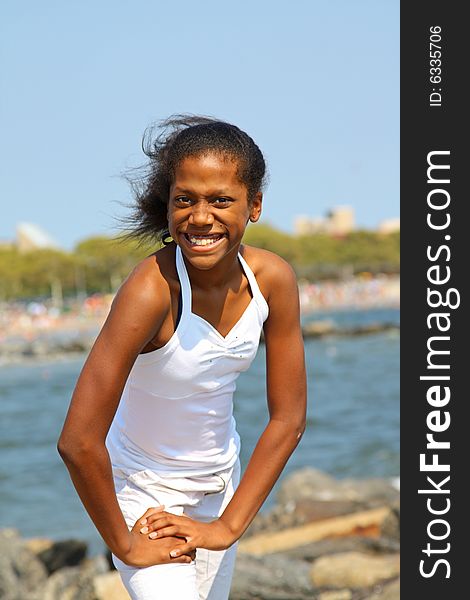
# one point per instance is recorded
(166, 145)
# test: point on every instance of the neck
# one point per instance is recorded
(219, 276)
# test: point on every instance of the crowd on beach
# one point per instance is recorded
(27, 319)
(362, 292)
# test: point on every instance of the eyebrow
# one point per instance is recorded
(212, 193)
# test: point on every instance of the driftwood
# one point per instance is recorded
(364, 523)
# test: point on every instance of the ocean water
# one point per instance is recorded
(352, 427)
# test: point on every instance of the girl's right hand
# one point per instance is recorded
(144, 552)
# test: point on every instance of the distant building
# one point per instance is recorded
(304, 225)
(31, 237)
(338, 221)
(389, 226)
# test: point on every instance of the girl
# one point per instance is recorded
(149, 440)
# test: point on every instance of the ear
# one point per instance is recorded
(255, 208)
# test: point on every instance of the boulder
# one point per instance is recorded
(354, 570)
(75, 583)
(336, 545)
(109, 586)
(314, 485)
(271, 578)
(273, 520)
(308, 483)
(336, 595)
(390, 528)
(299, 513)
(37, 545)
(388, 591)
(21, 573)
(69, 583)
(372, 492)
(307, 511)
(96, 565)
(319, 328)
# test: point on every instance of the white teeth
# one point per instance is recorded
(203, 240)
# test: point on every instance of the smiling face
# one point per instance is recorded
(208, 209)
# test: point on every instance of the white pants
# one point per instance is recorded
(201, 498)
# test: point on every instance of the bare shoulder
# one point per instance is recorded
(272, 272)
(148, 285)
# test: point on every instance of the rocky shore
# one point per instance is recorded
(56, 346)
(324, 539)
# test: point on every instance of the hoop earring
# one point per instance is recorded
(166, 238)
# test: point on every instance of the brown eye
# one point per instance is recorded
(182, 201)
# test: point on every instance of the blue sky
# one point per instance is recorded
(315, 83)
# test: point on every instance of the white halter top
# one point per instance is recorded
(175, 413)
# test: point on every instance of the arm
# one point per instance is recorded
(136, 315)
(286, 389)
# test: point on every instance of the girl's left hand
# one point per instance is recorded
(157, 523)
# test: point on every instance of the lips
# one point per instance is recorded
(199, 240)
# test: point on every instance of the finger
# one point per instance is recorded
(150, 511)
(170, 518)
(155, 518)
(159, 521)
(182, 559)
(172, 531)
(184, 549)
(149, 521)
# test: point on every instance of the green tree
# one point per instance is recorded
(105, 262)
(42, 272)
(99, 264)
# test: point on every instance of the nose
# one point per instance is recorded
(201, 214)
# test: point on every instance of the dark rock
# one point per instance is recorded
(72, 346)
(271, 577)
(307, 511)
(66, 553)
(314, 550)
(273, 520)
(324, 328)
(319, 328)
